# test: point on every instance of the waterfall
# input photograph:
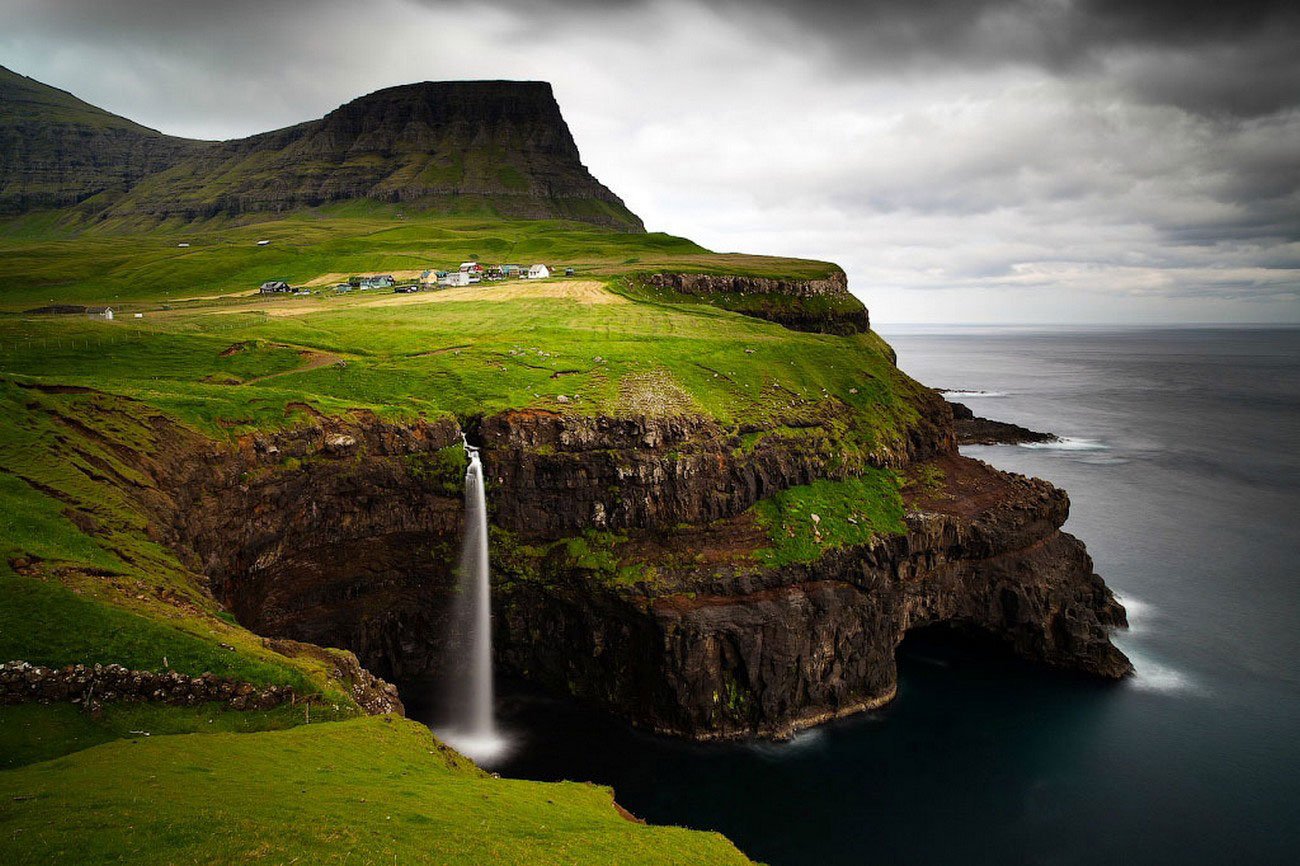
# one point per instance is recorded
(472, 730)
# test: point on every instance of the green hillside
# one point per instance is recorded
(368, 791)
(209, 353)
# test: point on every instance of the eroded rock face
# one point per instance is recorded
(339, 533)
(345, 533)
(738, 651)
(557, 474)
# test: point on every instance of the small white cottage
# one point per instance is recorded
(538, 272)
(108, 313)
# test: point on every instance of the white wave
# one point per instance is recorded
(1067, 443)
(1152, 676)
(963, 394)
(801, 741)
(1138, 611)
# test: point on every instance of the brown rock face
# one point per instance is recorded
(737, 651)
(558, 474)
(344, 532)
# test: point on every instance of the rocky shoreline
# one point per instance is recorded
(974, 430)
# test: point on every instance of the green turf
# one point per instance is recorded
(375, 790)
(804, 522)
(40, 732)
(48, 624)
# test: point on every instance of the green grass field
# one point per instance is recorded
(82, 579)
(374, 790)
(46, 259)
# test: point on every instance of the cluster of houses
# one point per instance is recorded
(468, 274)
(473, 272)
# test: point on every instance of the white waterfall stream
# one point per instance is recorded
(473, 729)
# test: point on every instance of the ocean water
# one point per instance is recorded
(1182, 459)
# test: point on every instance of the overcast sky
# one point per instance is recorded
(964, 160)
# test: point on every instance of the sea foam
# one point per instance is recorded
(966, 395)
(1067, 443)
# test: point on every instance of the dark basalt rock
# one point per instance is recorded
(344, 532)
(555, 474)
(740, 652)
(973, 430)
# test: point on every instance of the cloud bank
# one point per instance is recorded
(965, 160)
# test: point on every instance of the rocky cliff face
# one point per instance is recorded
(499, 147)
(819, 305)
(556, 474)
(728, 649)
(343, 532)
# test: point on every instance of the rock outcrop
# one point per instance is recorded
(822, 305)
(974, 430)
(556, 474)
(732, 650)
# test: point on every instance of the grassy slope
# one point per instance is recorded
(366, 791)
(47, 259)
(116, 596)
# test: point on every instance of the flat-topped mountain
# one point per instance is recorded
(490, 147)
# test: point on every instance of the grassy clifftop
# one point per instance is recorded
(49, 258)
(221, 361)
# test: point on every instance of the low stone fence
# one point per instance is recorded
(94, 685)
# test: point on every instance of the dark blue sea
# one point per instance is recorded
(1182, 459)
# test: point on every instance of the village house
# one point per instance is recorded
(378, 281)
(274, 287)
(538, 272)
(471, 268)
(455, 278)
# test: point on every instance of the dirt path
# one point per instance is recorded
(315, 360)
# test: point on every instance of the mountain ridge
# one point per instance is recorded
(461, 147)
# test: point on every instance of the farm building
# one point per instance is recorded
(456, 278)
(274, 287)
(379, 281)
(470, 267)
(538, 272)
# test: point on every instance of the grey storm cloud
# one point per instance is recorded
(1239, 58)
(995, 159)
